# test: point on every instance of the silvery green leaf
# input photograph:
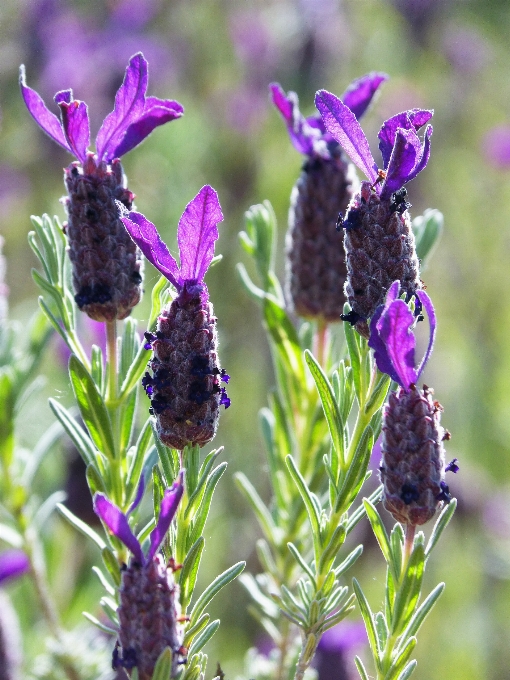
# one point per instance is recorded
(440, 525)
(203, 638)
(99, 624)
(163, 667)
(214, 588)
(408, 592)
(189, 571)
(81, 526)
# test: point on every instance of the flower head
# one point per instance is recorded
(117, 521)
(196, 235)
(392, 338)
(133, 118)
(404, 153)
(309, 135)
(13, 563)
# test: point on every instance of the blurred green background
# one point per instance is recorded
(217, 59)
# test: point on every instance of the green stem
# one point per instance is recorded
(33, 551)
(321, 341)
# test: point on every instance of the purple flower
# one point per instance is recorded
(404, 153)
(309, 135)
(117, 521)
(196, 235)
(496, 146)
(133, 118)
(393, 341)
(13, 563)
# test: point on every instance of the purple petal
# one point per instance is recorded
(413, 119)
(117, 523)
(303, 135)
(156, 112)
(197, 233)
(75, 121)
(13, 563)
(405, 155)
(360, 92)
(395, 331)
(169, 504)
(146, 237)
(424, 156)
(342, 124)
(64, 96)
(46, 120)
(129, 107)
(429, 307)
(381, 355)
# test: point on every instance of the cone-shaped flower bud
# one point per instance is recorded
(149, 612)
(184, 385)
(413, 466)
(106, 263)
(379, 241)
(13, 563)
(315, 257)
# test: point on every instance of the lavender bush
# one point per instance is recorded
(346, 378)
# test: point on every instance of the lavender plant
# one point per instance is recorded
(318, 457)
(333, 399)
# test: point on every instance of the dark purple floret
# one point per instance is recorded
(452, 466)
(445, 494)
(224, 376)
(409, 493)
(352, 317)
(352, 219)
(224, 400)
(398, 201)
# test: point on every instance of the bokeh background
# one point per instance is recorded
(217, 59)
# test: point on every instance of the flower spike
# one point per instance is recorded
(184, 387)
(107, 274)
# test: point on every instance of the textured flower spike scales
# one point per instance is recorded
(379, 241)
(106, 263)
(413, 465)
(315, 257)
(184, 386)
(149, 612)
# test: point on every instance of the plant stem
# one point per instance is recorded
(321, 340)
(410, 532)
(49, 612)
(111, 358)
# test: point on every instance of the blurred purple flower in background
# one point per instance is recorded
(13, 563)
(496, 146)
(466, 49)
(336, 649)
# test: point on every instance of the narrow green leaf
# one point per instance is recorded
(305, 494)
(135, 372)
(163, 667)
(359, 513)
(137, 461)
(349, 561)
(127, 420)
(409, 590)
(52, 319)
(111, 564)
(253, 291)
(261, 512)
(408, 670)
(81, 526)
(361, 668)
(158, 484)
(402, 658)
(379, 530)
(130, 345)
(355, 475)
(214, 588)
(189, 571)
(92, 407)
(331, 550)
(41, 449)
(285, 339)
(441, 524)
(368, 618)
(10, 536)
(192, 631)
(382, 629)
(397, 540)
(422, 612)
(301, 561)
(44, 511)
(104, 581)
(329, 405)
(378, 396)
(100, 625)
(354, 354)
(97, 368)
(203, 510)
(203, 638)
(203, 476)
(168, 458)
